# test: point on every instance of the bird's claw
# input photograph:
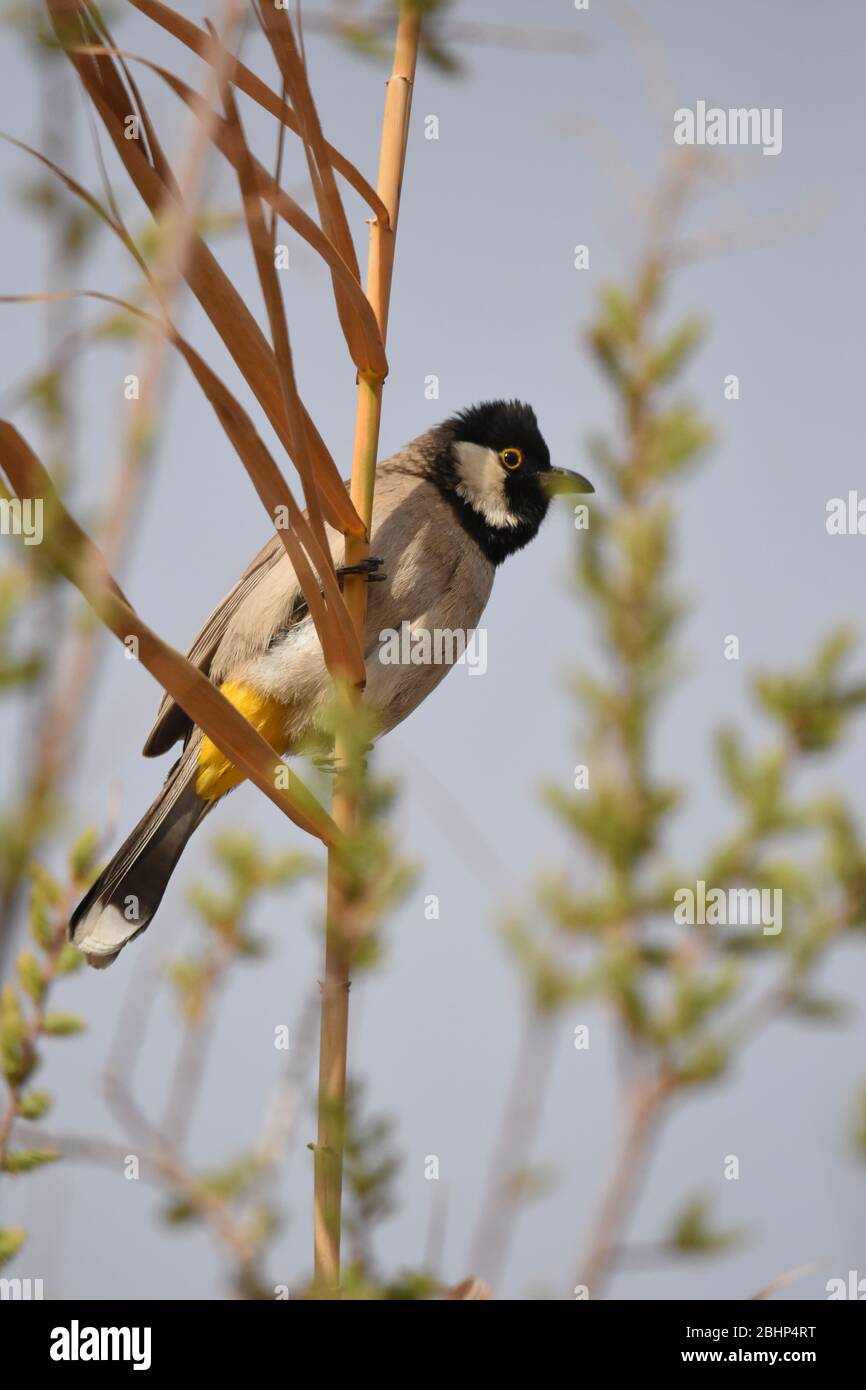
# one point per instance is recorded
(327, 763)
(370, 567)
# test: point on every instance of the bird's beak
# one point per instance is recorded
(556, 480)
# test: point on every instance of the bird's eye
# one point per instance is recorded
(511, 458)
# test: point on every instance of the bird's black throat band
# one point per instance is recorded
(524, 496)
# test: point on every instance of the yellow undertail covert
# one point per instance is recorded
(215, 774)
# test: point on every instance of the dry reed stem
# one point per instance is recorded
(645, 1105)
(512, 1151)
(781, 1281)
(333, 1043)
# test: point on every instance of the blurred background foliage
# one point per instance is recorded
(687, 1000)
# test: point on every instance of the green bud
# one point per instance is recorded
(23, 1160)
(667, 360)
(34, 1104)
(81, 855)
(41, 925)
(17, 1058)
(69, 960)
(706, 1063)
(11, 1240)
(58, 1025)
(31, 975)
(692, 1232)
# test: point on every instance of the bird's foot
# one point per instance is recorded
(326, 762)
(371, 567)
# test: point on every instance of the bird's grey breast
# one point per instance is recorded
(438, 581)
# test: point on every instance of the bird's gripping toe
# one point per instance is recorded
(371, 567)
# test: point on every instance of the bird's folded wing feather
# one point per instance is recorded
(172, 723)
(267, 598)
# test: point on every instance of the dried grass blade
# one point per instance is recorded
(158, 157)
(224, 306)
(116, 227)
(340, 644)
(81, 192)
(280, 34)
(260, 241)
(258, 91)
(356, 315)
(77, 558)
(277, 26)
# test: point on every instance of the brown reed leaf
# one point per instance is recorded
(470, 1290)
(81, 192)
(75, 556)
(267, 479)
(781, 1281)
(258, 91)
(224, 306)
(357, 318)
(358, 322)
(340, 645)
(263, 253)
(158, 157)
(280, 33)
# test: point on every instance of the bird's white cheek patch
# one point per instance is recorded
(482, 483)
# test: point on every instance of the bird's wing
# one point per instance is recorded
(267, 598)
(172, 723)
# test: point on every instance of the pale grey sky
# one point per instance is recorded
(487, 298)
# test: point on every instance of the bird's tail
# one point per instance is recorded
(127, 893)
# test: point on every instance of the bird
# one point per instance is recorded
(449, 508)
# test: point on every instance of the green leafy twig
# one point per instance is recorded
(25, 1016)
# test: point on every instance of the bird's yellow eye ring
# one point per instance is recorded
(511, 458)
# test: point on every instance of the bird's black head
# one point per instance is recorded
(494, 469)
